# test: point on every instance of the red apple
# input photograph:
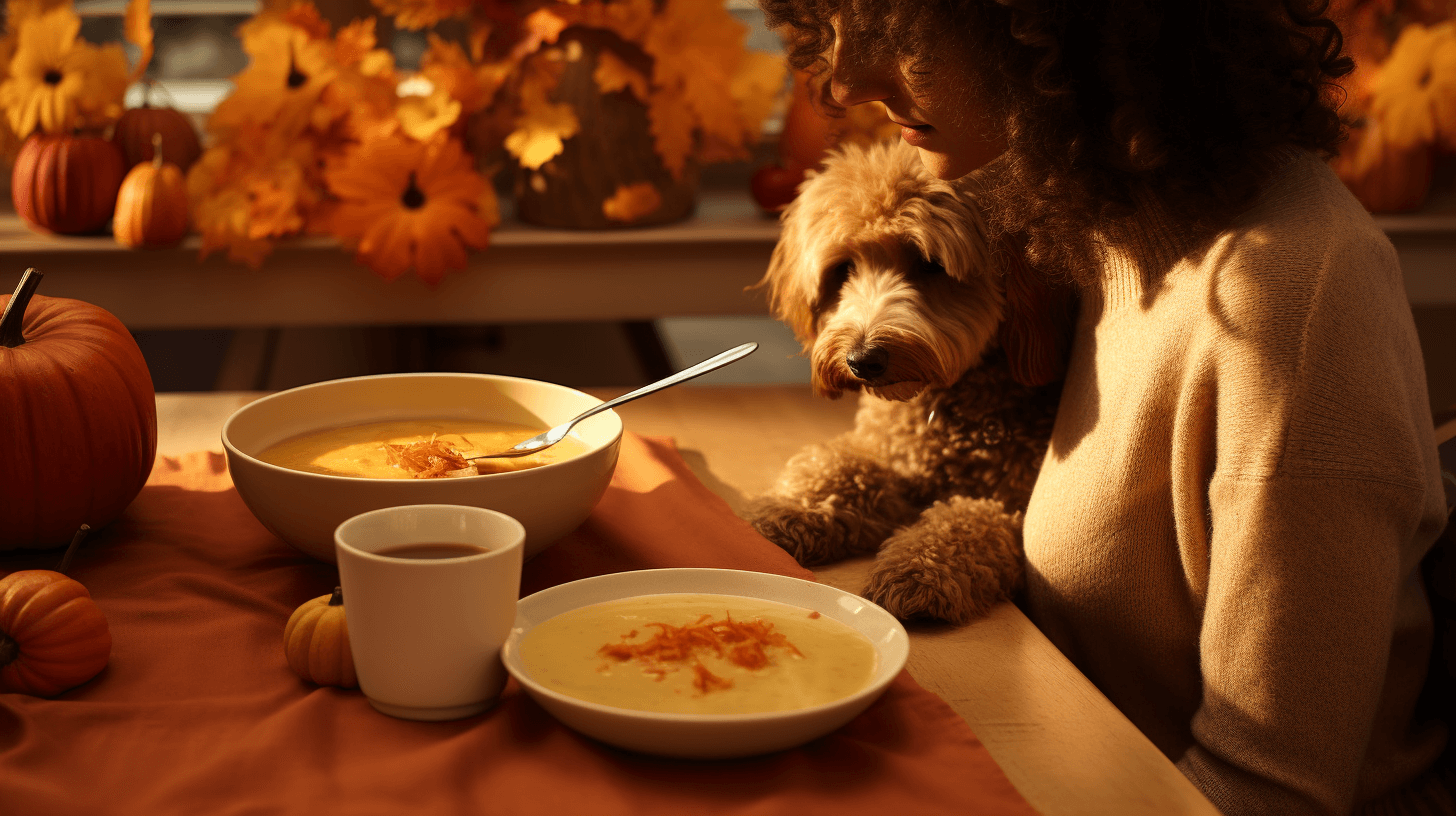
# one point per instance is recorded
(773, 186)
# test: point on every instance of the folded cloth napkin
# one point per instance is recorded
(198, 712)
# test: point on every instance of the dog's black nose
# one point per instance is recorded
(868, 363)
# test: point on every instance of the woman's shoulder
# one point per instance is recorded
(1306, 244)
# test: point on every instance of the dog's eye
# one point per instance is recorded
(929, 268)
(834, 279)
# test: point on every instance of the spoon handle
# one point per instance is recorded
(712, 363)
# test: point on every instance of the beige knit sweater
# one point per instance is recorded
(1240, 485)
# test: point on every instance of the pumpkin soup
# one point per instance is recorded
(413, 449)
(698, 654)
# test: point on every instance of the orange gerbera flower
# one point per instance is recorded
(409, 205)
(57, 81)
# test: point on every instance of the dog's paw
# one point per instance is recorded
(812, 533)
(932, 591)
(960, 559)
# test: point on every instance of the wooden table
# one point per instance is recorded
(1063, 745)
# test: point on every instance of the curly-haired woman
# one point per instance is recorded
(1242, 481)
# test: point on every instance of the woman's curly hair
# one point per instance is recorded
(1107, 102)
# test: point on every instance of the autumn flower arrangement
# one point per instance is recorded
(1401, 98)
(324, 134)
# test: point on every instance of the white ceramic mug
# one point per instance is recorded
(426, 632)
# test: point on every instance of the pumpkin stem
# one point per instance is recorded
(157, 151)
(14, 316)
(9, 650)
(71, 550)
(337, 599)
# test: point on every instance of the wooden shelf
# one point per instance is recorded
(702, 266)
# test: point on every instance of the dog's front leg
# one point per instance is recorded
(960, 558)
(832, 501)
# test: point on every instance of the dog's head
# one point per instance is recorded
(884, 274)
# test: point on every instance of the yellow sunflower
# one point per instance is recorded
(57, 81)
(407, 205)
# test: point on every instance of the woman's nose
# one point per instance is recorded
(855, 77)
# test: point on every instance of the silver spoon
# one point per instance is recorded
(543, 441)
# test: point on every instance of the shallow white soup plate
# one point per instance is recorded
(708, 736)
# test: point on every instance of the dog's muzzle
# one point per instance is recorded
(869, 363)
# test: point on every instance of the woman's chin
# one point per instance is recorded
(943, 166)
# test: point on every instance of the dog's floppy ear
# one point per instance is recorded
(788, 279)
(1036, 333)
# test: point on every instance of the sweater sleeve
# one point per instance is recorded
(1312, 591)
(1323, 499)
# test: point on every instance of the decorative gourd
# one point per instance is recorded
(316, 642)
(78, 418)
(1385, 177)
(65, 183)
(151, 209)
(53, 637)
(136, 128)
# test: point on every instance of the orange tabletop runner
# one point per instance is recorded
(198, 713)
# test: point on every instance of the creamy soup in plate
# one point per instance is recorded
(698, 654)
(415, 448)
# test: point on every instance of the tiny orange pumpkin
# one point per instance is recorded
(53, 637)
(151, 208)
(316, 642)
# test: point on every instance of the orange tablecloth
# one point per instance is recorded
(198, 712)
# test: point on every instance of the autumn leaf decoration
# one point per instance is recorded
(706, 94)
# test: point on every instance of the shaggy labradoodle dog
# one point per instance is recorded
(885, 276)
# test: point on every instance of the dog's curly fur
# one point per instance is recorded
(885, 275)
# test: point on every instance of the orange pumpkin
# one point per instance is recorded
(52, 635)
(78, 418)
(316, 642)
(1383, 176)
(66, 183)
(151, 209)
(136, 128)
